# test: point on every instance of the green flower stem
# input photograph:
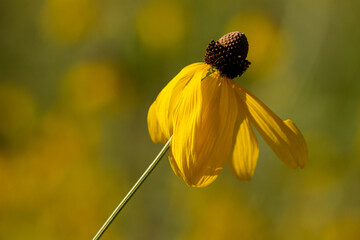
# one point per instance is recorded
(133, 190)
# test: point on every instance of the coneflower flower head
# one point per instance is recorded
(211, 118)
(206, 120)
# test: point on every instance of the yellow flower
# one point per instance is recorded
(210, 119)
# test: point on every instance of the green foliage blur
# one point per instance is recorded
(78, 76)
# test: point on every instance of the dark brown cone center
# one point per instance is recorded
(228, 54)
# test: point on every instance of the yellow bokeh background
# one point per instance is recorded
(68, 21)
(77, 78)
(161, 25)
(267, 42)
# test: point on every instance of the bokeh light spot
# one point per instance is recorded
(91, 86)
(68, 21)
(161, 25)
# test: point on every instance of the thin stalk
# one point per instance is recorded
(133, 190)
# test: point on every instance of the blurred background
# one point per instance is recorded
(77, 78)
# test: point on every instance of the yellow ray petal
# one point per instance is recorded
(173, 163)
(204, 121)
(282, 136)
(156, 134)
(246, 150)
(161, 111)
(301, 148)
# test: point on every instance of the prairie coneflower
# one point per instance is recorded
(206, 118)
(210, 118)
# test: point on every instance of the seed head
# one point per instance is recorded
(228, 54)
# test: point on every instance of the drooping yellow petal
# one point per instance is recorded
(156, 133)
(246, 150)
(302, 150)
(282, 136)
(161, 111)
(204, 121)
(173, 163)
